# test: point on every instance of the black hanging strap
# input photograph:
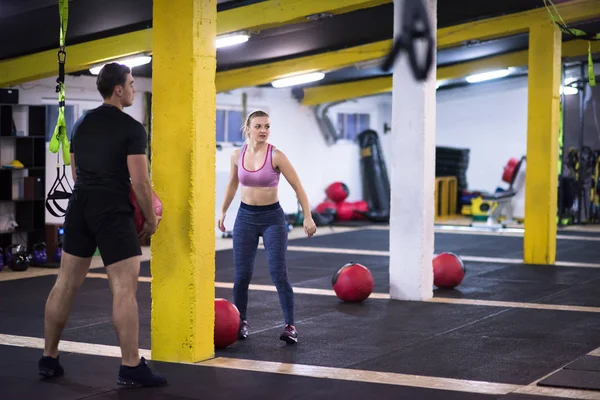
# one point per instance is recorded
(415, 25)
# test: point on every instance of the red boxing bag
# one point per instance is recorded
(448, 270)
(227, 323)
(352, 282)
(337, 191)
(344, 210)
(138, 217)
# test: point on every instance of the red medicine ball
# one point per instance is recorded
(360, 207)
(448, 270)
(227, 323)
(344, 211)
(138, 217)
(337, 191)
(353, 282)
(324, 206)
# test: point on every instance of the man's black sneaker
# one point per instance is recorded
(140, 376)
(244, 330)
(50, 367)
(289, 335)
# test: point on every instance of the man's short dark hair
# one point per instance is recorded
(111, 75)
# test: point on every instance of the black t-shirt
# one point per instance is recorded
(101, 141)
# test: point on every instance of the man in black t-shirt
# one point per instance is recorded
(108, 157)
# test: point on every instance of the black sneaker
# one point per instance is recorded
(289, 335)
(50, 367)
(140, 376)
(244, 330)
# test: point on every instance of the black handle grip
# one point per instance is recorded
(415, 26)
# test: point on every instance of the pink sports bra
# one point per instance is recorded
(265, 176)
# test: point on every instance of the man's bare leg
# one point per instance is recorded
(123, 278)
(71, 275)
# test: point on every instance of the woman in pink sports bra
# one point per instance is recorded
(257, 167)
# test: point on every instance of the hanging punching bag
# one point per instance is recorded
(375, 181)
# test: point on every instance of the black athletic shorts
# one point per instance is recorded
(100, 220)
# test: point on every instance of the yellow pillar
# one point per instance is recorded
(542, 143)
(183, 174)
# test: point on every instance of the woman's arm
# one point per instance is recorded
(232, 186)
(287, 169)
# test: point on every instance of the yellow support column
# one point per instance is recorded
(183, 173)
(542, 143)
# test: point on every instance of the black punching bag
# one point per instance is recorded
(375, 181)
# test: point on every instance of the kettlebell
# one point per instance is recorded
(39, 256)
(19, 260)
(7, 256)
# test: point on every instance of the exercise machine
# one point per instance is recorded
(496, 210)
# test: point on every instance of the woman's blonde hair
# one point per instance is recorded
(246, 126)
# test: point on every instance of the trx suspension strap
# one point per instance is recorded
(58, 190)
(415, 25)
(578, 34)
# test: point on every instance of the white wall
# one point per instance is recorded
(489, 118)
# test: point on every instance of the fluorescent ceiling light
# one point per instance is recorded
(486, 76)
(231, 40)
(568, 90)
(298, 79)
(130, 62)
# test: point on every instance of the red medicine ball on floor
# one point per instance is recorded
(324, 206)
(138, 217)
(448, 270)
(344, 211)
(353, 282)
(227, 323)
(337, 191)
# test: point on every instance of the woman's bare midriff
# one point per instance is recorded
(259, 196)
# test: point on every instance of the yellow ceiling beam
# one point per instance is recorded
(79, 57)
(348, 90)
(254, 17)
(372, 86)
(571, 12)
(269, 14)
(266, 73)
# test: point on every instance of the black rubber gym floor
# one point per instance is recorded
(501, 344)
(462, 244)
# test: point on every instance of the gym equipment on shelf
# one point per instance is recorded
(19, 259)
(39, 255)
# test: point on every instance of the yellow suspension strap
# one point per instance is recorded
(58, 191)
(578, 34)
